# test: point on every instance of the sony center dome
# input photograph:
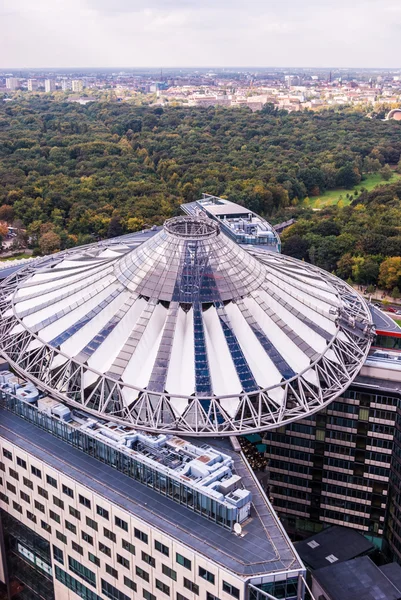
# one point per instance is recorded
(182, 330)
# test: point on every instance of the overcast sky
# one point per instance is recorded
(164, 33)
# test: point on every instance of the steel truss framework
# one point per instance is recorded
(204, 416)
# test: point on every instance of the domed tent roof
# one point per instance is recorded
(187, 332)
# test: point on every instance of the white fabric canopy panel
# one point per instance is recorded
(183, 331)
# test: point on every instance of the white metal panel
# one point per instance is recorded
(140, 366)
(222, 370)
(294, 356)
(181, 371)
(102, 359)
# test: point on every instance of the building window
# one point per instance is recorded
(140, 535)
(58, 502)
(51, 481)
(123, 561)
(60, 536)
(94, 559)
(111, 592)
(148, 596)
(190, 585)
(163, 587)
(13, 474)
(58, 554)
(130, 584)
(169, 572)
(206, 575)
(21, 462)
(149, 560)
(18, 508)
(4, 498)
(109, 535)
(83, 572)
(141, 573)
(77, 548)
(76, 586)
(320, 435)
(74, 513)
(185, 562)
(87, 538)
(102, 512)
(105, 549)
(91, 523)
(28, 483)
(7, 454)
(111, 571)
(36, 472)
(129, 547)
(25, 497)
(68, 491)
(31, 516)
(230, 589)
(2, 466)
(161, 548)
(364, 414)
(181, 597)
(43, 493)
(210, 596)
(11, 487)
(54, 516)
(39, 506)
(120, 523)
(46, 526)
(70, 526)
(84, 501)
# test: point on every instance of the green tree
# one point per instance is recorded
(386, 172)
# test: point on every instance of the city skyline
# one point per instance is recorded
(133, 34)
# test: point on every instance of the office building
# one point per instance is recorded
(32, 85)
(50, 85)
(12, 83)
(342, 465)
(128, 367)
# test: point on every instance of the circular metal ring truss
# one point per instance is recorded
(203, 416)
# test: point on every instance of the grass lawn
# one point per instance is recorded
(16, 257)
(398, 321)
(334, 196)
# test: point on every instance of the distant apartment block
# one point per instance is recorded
(77, 85)
(32, 85)
(12, 83)
(50, 85)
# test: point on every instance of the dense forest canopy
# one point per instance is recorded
(73, 173)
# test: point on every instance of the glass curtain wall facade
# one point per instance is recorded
(336, 466)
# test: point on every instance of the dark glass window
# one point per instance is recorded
(102, 512)
(58, 554)
(77, 548)
(83, 572)
(190, 585)
(91, 523)
(127, 546)
(149, 560)
(87, 538)
(130, 584)
(84, 501)
(111, 571)
(169, 572)
(68, 491)
(123, 561)
(21, 462)
(51, 481)
(141, 573)
(74, 512)
(185, 562)
(161, 548)
(140, 535)
(70, 526)
(105, 549)
(94, 559)
(54, 516)
(109, 534)
(111, 592)
(206, 575)
(36, 472)
(230, 589)
(120, 523)
(162, 587)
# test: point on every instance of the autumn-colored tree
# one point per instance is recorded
(49, 242)
(6, 213)
(390, 273)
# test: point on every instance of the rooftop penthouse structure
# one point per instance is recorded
(239, 223)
